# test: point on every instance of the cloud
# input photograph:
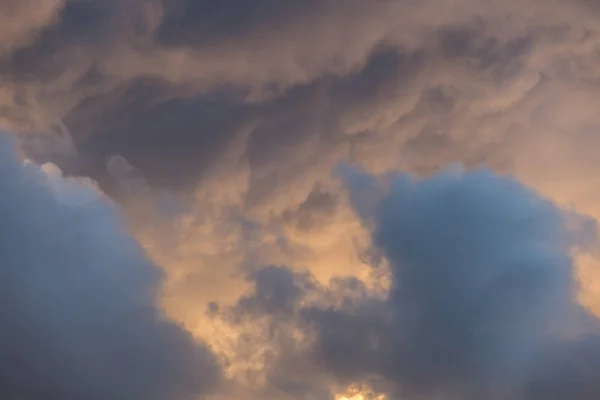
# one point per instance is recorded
(482, 302)
(481, 276)
(363, 78)
(239, 110)
(21, 20)
(55, 145)
(78, 298)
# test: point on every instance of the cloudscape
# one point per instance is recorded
(299, 200)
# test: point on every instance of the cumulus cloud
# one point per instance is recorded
(482, 302)
(216, 124)
(78, 298)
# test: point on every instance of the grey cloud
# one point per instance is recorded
(172, 140)
(481, 275)
(93, 68)
(276, 291)
(482, 304)
(78, 299)
(22, 20)
(568, 374)
(313, 212)
(209, 22)
(170, 85)
(55, 145)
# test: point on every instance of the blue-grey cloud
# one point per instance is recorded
(78, 299)
(483, 298)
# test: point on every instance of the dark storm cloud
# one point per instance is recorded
(483, 298)
(173, 136)
(481, 278)
(209, 22)
(171, 139)
(569, 373)
(170, 84)
(138, 78)
(78, 295)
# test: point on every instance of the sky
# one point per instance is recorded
(299, 200)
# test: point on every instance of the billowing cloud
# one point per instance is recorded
(462, 80)
(78, 310)
(215, 125)
(482, 301)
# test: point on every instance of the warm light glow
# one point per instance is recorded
(184, 147)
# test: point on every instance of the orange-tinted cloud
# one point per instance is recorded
(218, 125)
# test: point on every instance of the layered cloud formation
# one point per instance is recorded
(200, 142)
(460, 80)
